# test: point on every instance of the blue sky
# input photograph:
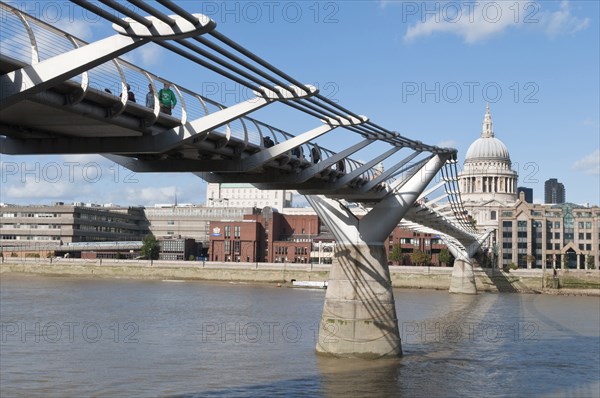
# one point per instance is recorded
(424, 69)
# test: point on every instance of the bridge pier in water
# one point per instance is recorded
(463, 277)
(359, 315)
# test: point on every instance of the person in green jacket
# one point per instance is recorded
(167, 99)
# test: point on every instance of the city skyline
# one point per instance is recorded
(425, 72)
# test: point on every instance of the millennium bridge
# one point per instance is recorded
(62, 95)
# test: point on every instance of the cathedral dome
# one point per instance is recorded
(487, 176)
(487, 148)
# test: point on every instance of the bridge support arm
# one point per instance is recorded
(359, 314)
(18, 85)
(201, 127)
(386, 215)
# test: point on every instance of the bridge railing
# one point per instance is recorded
(30, 40)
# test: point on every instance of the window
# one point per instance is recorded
(237, 245)
(588, 236)
(506, 224)
(580, 225)
(556, 224)
(227, 233)
(237, 231)
(493, 215)
(227, 246)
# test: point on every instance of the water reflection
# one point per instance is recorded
(350, 377)
(491, 345)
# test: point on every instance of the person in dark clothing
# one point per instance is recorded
(315, 154)
(150, 97)
(130, 94)
(268, 142)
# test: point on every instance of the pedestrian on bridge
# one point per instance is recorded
(167, 99)
(150, 97)
(315, 153)
(130, 94)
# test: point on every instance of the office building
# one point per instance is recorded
(528, 192)
(554, 191)
(558, 235)
(246, 195)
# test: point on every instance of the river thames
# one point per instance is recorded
(66, 337)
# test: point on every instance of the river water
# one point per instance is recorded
(65, 337)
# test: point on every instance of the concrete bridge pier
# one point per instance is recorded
(359, 315)
(463, 277)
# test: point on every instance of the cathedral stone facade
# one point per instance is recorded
(487, 182)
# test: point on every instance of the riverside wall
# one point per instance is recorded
(521, 281)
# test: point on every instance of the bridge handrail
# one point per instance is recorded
(135, 76)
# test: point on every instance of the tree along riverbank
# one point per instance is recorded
(579, 282)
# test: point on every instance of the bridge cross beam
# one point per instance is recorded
(199, 129)
(21, 84)
(359, 314)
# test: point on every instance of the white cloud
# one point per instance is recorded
(589, 164)
(38, 188)
(590, 122)
(561, 21)
(485, 19)
(145, 56)
(76, 27)
(149, 54)
(151, 195)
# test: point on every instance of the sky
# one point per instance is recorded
(424, 69)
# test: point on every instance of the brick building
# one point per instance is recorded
(269, 236)
(266, 236)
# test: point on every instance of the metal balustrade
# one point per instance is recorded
(28, 41)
